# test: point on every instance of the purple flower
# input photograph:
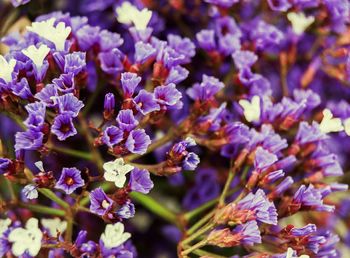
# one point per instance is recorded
(5, 165)
(304, 231)
(34, 122)
(109, 103)
(309, 133)
(167, 95)
(69, 104)
(263, 209)
(266, 35)
(284, 185)
(222, 3)
(244, 59)
(70, 180)
(87, 36)
(74, 63)
(140, 181)
(143, 51)
(172, 58)
(111, 62)
(279, 5)
(191, 161)
(112, 135)
(126, 120)
(28, 140)
(145, 102)
(65, 83)
(263, 158)
(47, 95)
(109, 40)
(206, 39)
(101, 204)
(249, 233)
(22, 89)
(183, 46)
(129, 83)
(312, 98)
(17, 3)
(127, 211)
(206, 89)
(177, 74)
(63, 126)
(138, 141)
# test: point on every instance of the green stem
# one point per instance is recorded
(229, 179)
(43, 209)
(194, 247)
(198, 233)
(52, 196)
(69, 229)
(71, 152)
(202, 253)
(200, 222)
(155, 207)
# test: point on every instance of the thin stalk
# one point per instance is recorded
(155, 207)
(198, 233)
(194, 247)
(43, 209)
(69, 229)
(52, 196)
(231, 175)
(201, 253)
(71, 152)
(200, 222)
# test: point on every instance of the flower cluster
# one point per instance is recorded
(228, 119)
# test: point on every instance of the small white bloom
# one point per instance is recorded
(251, 110)
(54, 225)
(30, 192)
(347, 126)
(4, 225)
(114, 235)
(330, 124)
(46, 29)
(39, 164)
(300, 22)
(37, 55)
(190, 141)
(6, 68)
(26, 239)
(129, 14)
(116, 170)
(290, 254)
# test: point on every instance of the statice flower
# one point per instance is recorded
(70, 180)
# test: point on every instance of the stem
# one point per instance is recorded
(69, 229)
(201, 222)
(194, 247)
(11, 190)
(201, 253)
(198, 233)
(52, 196)
(43, 209)
(231, 175)
(155, 207)
(71, 152)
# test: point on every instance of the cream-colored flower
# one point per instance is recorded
(290, 254)
(6, 68)
(251, 110)
(300, 22)
(4, 225)
(330, 124)
(116, 170)
(347, 126)
(37, 55)
(54, 225)
(114, 235)
(26, 239)
(129, 14)
(46, 29)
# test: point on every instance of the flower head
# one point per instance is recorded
(116, 170)
(140, 181)
(70, 180)
(251, 109)
(114, 235)
(101, 204)
(37, 55)
(26, 239)
(6, 69)
(30, 192)
(54, 225)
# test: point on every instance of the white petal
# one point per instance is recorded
(347, 126)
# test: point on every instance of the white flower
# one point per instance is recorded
(30, 192)
(114, 235)
(300, 22)
(347, 126)
(46, 29)
(290, 254)
(330, 124)
(115, 171)
(251, 110)
(6, 68)
(37, 55)
(39, 164)
(26, 239)
(4, 225)
(54, 225)
(129, 14)
(190, 141)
